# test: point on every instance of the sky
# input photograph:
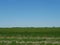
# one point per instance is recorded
(29, 13)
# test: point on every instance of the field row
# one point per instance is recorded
(28, 42)
(29, 37)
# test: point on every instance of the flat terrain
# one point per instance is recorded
(30, 36)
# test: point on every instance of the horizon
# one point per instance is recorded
(29, 13)
(30, 27)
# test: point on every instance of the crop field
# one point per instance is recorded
(30, 36)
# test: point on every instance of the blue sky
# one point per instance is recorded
(29, 13)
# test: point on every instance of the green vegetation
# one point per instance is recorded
(10, 36)
(31, 31)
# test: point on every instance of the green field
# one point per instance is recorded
(30, 36)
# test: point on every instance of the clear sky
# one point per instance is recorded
(32, 13)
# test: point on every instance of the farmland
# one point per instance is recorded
(30, 36)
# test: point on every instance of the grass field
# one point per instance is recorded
(30, 36)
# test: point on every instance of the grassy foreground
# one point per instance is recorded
(30, 36)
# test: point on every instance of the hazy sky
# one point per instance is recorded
(35, 13)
